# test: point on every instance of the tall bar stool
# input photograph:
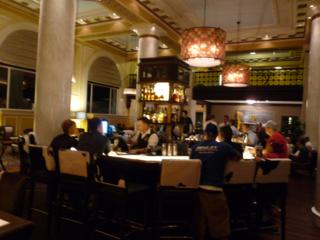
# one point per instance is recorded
(42, 171)
(271, 180)
(239, 191)
(74, 190)
(176, 198)
(113, 202)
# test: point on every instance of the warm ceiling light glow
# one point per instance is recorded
(250, 101)
(115, 16)
(130, 91)
(253, 53)
(203, 46)
(278, 67)
(266, 37)
(309, 17)
(81, 21)
(236, 75)
(311, 6)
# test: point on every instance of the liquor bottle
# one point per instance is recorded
(174, 95)
(152, 95)
(142, 95)
(165, 115)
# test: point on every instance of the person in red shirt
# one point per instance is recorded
(277, 145)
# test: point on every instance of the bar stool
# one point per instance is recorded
(271, 180)
(239, 191)
(176, 198)
(42, 171)
(113, 202)
(74, 190)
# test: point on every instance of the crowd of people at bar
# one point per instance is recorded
(219, 143)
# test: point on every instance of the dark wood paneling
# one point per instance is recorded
(274, 93)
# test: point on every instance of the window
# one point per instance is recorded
(21, 89)
(101, 99)
(18, 85)
(3, 86)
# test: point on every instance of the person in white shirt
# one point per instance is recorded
(210, 119)
(225, 121)
(144, 138)
(250, 138)
(235, 131)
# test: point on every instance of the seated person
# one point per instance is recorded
(94, 141)
(67, 139)
(213, 210)
(277, 146)
(250, 137)
(225, 134)
(144, 138)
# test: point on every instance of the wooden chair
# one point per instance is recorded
(176, 198)
(271, 180)
(114, 202)
(73, 189)
(239, 191)
(13, 193)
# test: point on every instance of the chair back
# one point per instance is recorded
(6, 132)
(273, 171)
(74, 163)
(13, 190)
(180, 173)
(49, 159)
(240, 172)
(37, 159)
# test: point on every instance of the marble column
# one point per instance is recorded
(148, 48)
(54, 67)
(305, 85)
(313, 102)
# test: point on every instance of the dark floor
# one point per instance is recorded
(299, 218)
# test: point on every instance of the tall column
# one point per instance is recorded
(305, 84)
(313, 102)
(148, 48)
(54, 67)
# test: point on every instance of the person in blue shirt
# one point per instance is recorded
(212, 210)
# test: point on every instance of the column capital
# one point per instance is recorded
(148, 30)
(314, 10)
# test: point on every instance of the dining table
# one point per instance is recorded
(13, 227)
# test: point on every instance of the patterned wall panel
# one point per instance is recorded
(259, 77)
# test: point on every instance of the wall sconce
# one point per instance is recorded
(131, 94)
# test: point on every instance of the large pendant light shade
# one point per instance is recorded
(203, 46)
(236, 75)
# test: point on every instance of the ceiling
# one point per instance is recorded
(265, 25)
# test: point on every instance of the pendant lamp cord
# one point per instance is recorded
(204, 12)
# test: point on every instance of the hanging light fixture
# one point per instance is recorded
(236, 75)
(203, 46)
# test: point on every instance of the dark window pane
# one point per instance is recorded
(88, 97)
(100, 102)
(3, 87)
(114, 101)
(103, 99)
(22, 89)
